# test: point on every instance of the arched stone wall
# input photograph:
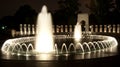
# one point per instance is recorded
(84, 18)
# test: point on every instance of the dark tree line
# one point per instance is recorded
(102, 11)
(67, 12)
(105, 11)
(24, 15)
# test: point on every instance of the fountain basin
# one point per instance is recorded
(64, 45)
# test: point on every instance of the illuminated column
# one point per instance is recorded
(105, 28)
(91, 28)
(70, 28)
(33, 29)
(109, 28)
(66, 28)
(96, 28)
(61, 28)
(25, 29)
(29, 30)
(118, 28)
(21, 29)
(114, 28)
(57, 28)
(13, 32)
(100, 28)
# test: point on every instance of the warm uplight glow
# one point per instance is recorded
(44, 56)
(77, 32)
(44, 35)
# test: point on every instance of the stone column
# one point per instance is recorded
(105, 28)
(118, 28)
(66, 28)
(100, 28)
(21, 29)
(33, 29)
(29, 30)
(84, 17)
(114, 28)
(96, 28)
(109, 28)
(25, 29)
(70, 28)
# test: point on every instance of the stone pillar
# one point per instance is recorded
(118, 28)
(25, 29)
(109, 28)
(96, 28)
(57, 28)
(61, 28)
(70, 28)
(13, 32)
(114, 28)
(33, 29)
(91, 28)
(29, 30)
(21, 29)
(66, 28)
(84, 17)
(105, 28)
(101, 28)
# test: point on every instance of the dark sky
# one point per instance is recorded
(9, 7)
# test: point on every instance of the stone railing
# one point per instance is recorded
(30, 29)
(115, 28)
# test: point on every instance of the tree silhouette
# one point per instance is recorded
(25, 14)
(67, 12)
(99, 8)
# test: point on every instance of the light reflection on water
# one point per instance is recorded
(52, 57)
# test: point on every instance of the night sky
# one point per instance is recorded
(9, 7)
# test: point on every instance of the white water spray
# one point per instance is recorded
(77, 32)
(44, 33)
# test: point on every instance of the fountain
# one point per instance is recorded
(45, 45)
(44, 35)
(77, 32)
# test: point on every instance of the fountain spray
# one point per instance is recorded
(44, 33)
